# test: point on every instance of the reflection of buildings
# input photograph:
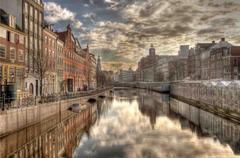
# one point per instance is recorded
(51, 137)
(205, 124)
(152, 105)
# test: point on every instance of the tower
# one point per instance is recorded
(99, 67)
(152, 51)
(98, 71)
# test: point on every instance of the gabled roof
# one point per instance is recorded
(62, 35)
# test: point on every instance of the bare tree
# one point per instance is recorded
(42, 67)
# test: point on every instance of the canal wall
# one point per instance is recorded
(220, 97)
(207, 124)
(154, 86)
(49, 138)
(16, 119)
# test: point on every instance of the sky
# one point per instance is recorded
(121, 31)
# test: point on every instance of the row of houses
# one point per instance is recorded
(206, 61)
(37, 59)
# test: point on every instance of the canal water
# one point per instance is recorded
(142, 124)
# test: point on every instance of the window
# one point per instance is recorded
(12, 37)
(20, 56)
(46, 39)
(40, 31)
(31, 11)
(31, 26)
(31, 42)
(26, 8)
(12, 21)
(8, 35)
(3, 33)
(16, 38)
(35, 43)
(36, 14)
(12, 53)
(26, 23)
(35, 28)
(40, 44)
(21, 39)
(26, 58)
(12, 74)
(1, 73)
(26, 42)
(40, 17)
(2, 51)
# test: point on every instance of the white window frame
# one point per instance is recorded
(11, 48)
(5, 51)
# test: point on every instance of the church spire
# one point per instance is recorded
(99, 63)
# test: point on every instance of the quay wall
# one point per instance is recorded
(154, 86)
(219, 95)
(16, 119)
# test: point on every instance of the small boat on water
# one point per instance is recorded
(75, 108)
(92, 100)
(101, 96)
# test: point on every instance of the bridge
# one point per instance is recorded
(163, 87)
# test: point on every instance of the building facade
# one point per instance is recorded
(76, 61)
(59, 66)
(50, 59)
(126, 75)
(146, 66)
(33, 19)
(162, 68)
(12, 52)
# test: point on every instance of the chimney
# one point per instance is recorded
(222, 39)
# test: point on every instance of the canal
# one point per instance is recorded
(128, 123)
(141, 124)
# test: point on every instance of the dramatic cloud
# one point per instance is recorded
(55, 13)
(128, 27)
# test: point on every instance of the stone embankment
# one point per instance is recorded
(219, 97)
(16, 119)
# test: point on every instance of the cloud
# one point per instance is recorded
(78, 24)
(128, 27)
(56, 13)
(89, 15)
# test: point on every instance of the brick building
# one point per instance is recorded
(146, 66)
(76, 61)
(50, 54)
(12, 51)
(59, 65)
(29, 18)
(224, 61)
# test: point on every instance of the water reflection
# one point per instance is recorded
(140, 124)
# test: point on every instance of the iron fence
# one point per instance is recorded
(5, 102)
